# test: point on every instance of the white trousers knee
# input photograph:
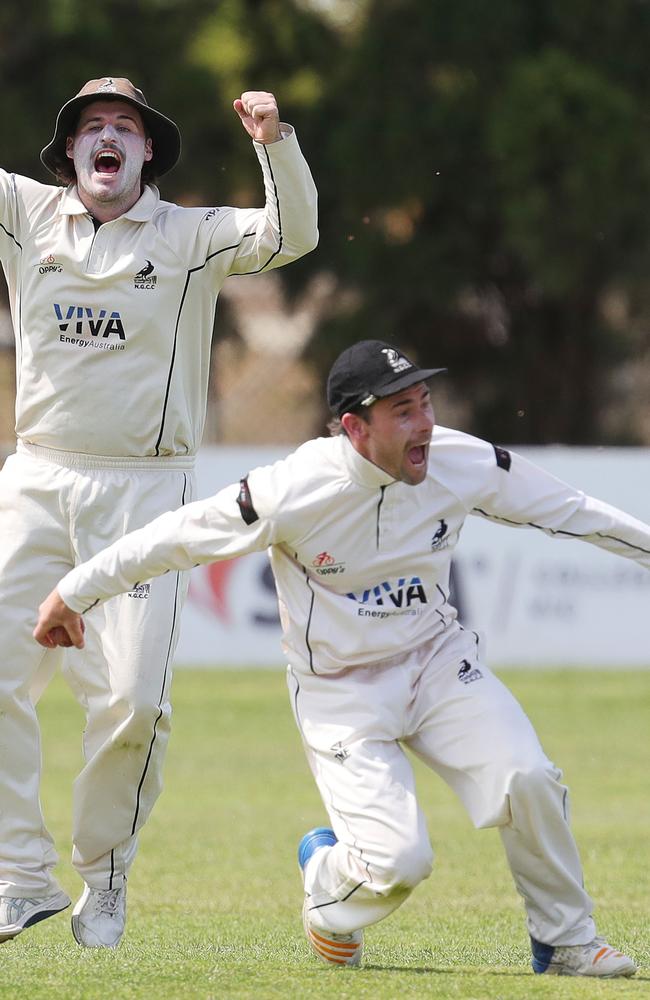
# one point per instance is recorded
(53, 515)
(463, 723)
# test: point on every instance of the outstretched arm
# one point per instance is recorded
(201, 532)
(523, 495)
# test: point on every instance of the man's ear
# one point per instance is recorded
(148, 150)
(355, 427)
(69, 147)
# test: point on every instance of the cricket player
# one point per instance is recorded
(361, 528)
(113, 294)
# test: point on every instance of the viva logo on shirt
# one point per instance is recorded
(85, 321)
(401, 593)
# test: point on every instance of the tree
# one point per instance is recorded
(486, 197)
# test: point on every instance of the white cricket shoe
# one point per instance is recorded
(17, 914)
(597, 958)
(333, 949)
(99, 916)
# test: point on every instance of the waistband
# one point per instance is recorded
(79, 460)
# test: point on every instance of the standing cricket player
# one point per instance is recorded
(113, 293)
(361, 529)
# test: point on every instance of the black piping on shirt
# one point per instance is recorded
(560, 531)
(200, 267)
(11, 236)
(20, 325)
(308, 625)
(381, 500)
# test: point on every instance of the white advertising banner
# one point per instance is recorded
(537, 601)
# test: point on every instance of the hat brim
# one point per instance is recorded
(389, 388)
(165, 136)
(407, 380)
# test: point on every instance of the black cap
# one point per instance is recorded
(164, 132)
(368, 371)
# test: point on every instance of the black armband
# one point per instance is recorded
(504, 458)
(245, 503)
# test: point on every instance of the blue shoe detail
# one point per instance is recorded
(542, 955)
(322, 836)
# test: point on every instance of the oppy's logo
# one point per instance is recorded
(48, 264)
(324, 564)
(84, 321)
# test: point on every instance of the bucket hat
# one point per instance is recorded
(164, 133)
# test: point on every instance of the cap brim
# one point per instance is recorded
(389, 389)
(407, 380)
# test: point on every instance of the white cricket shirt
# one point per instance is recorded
(113, 328)
(361, 561)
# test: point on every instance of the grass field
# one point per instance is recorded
(215, 894)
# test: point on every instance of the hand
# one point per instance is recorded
(259, 115)
(58, 625)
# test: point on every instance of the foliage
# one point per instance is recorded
(489, 197)
(191, 60)
(483, 169)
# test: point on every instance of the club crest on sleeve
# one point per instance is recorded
(468, 673)
(440, 539)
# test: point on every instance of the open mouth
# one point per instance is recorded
(107, 162)
(417, 454)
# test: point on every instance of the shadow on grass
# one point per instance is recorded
(449, 970)
(427, 970)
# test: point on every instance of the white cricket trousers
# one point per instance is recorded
(58, 509)
(457, 717)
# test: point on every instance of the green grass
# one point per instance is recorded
(214, 896)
